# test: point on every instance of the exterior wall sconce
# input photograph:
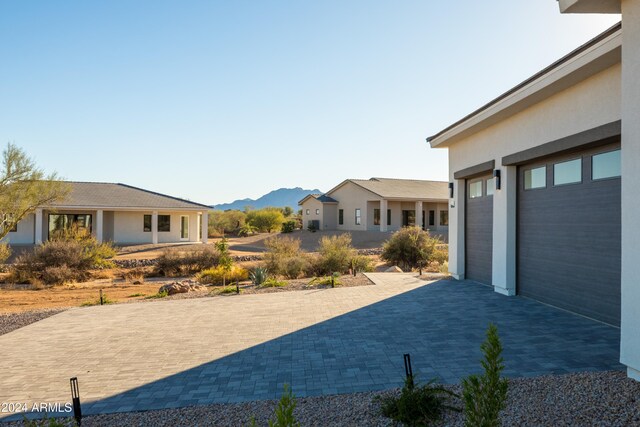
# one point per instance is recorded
(451, 190)
(496, 176)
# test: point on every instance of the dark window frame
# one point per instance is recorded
(609, 177)
(146, 229)
(432, 217)
(446, 215)
(358, 216)
(524, 181)
(376, 216)
(553, 171)
(388, 216)
(340, 216)
(164, 220)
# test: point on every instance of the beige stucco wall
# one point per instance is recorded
(129, 227)
(25, 233)
(329, 216)
(312, 205)
(590, 103)
(351, 197)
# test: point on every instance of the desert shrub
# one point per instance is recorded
(285, 258)
(226, 290)
(409, 248)
(288, 226)
(174, 262)
(283, 414)
(272, 282)
(259, 275)
(361, 263)
(485, 396)
(48, 422)
(335, 254)
(134, 274)
(226, 222)
(440, 255)
(158, 295)
(5, 252)
(266, 220)
(62, 261)
(219, 275)
(332, 281)
(247, 230)
(418, 405)
(444, 268)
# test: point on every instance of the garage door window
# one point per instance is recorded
(491, 186)
(475, 189)
(567, 172)
(535, 178)
(606, 165)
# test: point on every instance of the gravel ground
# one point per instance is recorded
(584, 399)
(11, 322)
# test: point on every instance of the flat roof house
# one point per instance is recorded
(378, 204)
(545, 201)
(116, 212)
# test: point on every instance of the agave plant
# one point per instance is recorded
(259, 275)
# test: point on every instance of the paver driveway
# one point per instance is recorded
(184, 352)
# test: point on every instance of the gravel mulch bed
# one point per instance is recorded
(583, 399)
(12, 321)
(345, 281)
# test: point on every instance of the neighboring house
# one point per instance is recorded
(378, 204)
(545, 183)
(118, 213)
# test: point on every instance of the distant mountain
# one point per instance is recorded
(277, 198)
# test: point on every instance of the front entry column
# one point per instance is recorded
(504, 232)
(38, 231)
(383, 215)
(99, 227)
(204, 227)
(154, 227)
(419, 214)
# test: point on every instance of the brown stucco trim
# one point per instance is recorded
(600, 135)
(476, 170)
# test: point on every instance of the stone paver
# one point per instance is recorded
(185, 352)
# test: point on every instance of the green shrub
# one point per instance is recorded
(332, 281)
(175, 262)
(5, 252)
(162, 294)
(219, 275)
(226, 222)
(225, 290)
(409, 248)
(266, 220)
(418, 405)
(259, 275)
(61, 261)
(246, 230)
(288, 226)
(48, 422)
(272, 282)
(335, 254)
(440, 255)
(283, 415)
(485, 396)
(285, 258)
(361, 263)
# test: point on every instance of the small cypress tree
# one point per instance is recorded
(284, 411)
(485, 396)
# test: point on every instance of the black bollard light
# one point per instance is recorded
(101, 299)
(408, 370)
(75, 396)
(237, 287)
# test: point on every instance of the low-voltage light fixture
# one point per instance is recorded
(451, 190)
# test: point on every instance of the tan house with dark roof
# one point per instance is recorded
(379, 204)
(118, 213)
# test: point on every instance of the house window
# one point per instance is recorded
(444, 218)
(376, 217)
(341, 216)
(567, 172)
(475, 189)
(358, 217)
(388, 216)
(491, 186)
(535, 178)
(317, 211)
(432, 217)
(408, 218)
(146, 223)
(164, 222)
(307, 211)
(605, 165)
(59, 224)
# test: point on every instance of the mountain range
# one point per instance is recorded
(277, 198)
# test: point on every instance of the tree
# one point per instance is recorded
(229, 221)
(267, 219)
(287, 211)
(24, 187)
(411, 247)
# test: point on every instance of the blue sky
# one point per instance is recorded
(215, 101)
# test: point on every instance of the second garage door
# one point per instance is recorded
(569, 227)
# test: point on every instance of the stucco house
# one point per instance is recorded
(118, 213)
(378, 204)
(545, 183)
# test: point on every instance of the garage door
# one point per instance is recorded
(569, 232)
(479, 229)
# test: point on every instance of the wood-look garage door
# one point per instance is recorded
(569, 232)
(479, 229)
